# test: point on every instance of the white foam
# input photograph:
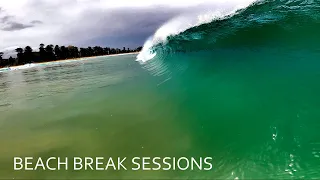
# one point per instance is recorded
(146, 52)
(26, 66)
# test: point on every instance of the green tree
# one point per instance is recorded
(49, 51)
(113, 51)
(10, 61)
(64, 52)
(90, 51)
(97, 50)
(76, 51)
(57, 52)
(73, 52)
(20, 56)
(42, 52)
(106, 51)
(2, 63)
(28, 55)
(83, 52)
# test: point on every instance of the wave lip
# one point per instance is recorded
(181, 23)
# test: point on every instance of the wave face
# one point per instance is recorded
(249, 82)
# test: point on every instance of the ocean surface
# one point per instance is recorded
(243, 89)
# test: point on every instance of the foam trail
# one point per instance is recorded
(189, 20)
(26, 66)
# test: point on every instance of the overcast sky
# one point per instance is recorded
(114, 23)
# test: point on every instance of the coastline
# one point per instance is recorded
(89, 57)
(70, 59)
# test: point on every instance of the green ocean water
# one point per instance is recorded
(257, 121)
(243, 90)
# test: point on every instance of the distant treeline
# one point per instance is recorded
(53, 53)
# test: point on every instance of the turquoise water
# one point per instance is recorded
(257, 119)
(242, 90)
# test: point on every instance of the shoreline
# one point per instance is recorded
(70, 59)
(89, 57)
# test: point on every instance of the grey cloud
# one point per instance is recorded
(8, 53)
(128, 27)
(36, 22)
(89, 26)
(5, 19)
(15, 26)
(119, 27)
(8, 23)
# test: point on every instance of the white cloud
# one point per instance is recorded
(86, 22)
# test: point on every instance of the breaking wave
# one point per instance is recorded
(271, 22)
